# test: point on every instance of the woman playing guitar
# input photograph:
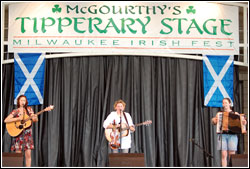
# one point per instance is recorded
(24, 140)
(127, 122)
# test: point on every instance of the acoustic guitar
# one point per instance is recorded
(15, 128)
(125, 130)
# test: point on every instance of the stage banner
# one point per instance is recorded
(218, 76)
(129, 27)
(29, 76)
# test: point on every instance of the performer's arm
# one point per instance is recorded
(244, 122)
(10, 118)
(111, 126)
(130, 122)
(132, 128)
(215, 119)
(237, 113)
(33, 116)
(107, 124)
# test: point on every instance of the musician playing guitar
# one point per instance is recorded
(229, 141)
(113, 122)
(24, 140)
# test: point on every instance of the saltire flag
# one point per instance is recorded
(218, 76)
(29, 76)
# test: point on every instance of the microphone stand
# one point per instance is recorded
(221, 135)
(206, 153)
(23, 135)
(121, 113)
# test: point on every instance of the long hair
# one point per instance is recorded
(18, 101)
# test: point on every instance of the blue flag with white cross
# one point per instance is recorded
(218, 76)
(29, 71)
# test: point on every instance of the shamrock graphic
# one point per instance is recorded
(190, 10)
(56, 9)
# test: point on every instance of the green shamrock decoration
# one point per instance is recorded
(56, 9)
(190, 10)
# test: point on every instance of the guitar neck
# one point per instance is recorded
(136, 125)
(139, 124)
(40, 112)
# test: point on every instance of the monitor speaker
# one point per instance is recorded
(12, 159)
(239, 160)
(126, 160)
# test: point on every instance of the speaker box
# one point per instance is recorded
(239, 160)
(12, 160)
(126, 160)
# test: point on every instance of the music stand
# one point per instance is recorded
(208, 155)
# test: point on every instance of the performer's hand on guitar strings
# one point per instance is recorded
(34, 117)
(20, 118)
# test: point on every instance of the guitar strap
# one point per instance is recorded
(125, 118)
(127, 123)
(28, 113)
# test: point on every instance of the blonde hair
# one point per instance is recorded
(119, 101)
